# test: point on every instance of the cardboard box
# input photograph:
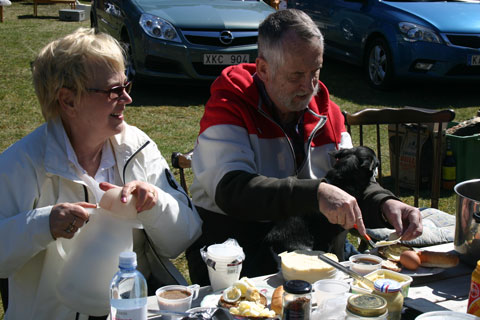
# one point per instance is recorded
(407, 156)
(72, 15)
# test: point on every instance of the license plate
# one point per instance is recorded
(225, 59)
(474, 60)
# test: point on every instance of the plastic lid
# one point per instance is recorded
(127, 259)
(225, 252)
(367, 305)
(387, 285)
(297, 287)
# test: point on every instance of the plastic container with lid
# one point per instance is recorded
(366, 306)
(297, 300)
(391, 291)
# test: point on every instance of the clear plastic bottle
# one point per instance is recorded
(128, 290)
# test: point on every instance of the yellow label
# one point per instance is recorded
(449, 173)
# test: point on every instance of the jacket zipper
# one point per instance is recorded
(310, 137)
(168, 174)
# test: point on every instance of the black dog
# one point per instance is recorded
(353, 170)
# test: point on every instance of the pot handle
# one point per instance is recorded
(476, 216)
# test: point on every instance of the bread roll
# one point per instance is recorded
(277, 300)
(438, 259)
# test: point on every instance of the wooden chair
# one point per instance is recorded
(182, 161)
(380, 118)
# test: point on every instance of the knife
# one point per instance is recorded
(346, 270)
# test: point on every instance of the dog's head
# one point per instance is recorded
(353, 169)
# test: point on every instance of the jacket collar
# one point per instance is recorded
(125, 145)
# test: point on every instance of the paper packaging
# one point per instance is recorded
(407, 137)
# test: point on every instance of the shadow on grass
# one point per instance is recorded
(343, 81)
(346, 82)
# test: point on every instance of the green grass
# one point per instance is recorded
(170, 113)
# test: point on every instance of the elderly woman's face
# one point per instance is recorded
(100, 114)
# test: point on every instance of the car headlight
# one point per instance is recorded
(412, 32)
(158, 28)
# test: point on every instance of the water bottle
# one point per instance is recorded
(128, 290)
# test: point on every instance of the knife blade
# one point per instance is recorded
(346, 270)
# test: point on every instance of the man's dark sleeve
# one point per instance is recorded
(373, 197)
(255, 197)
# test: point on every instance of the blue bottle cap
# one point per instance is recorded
(127, 259)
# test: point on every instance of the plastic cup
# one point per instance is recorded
(330, 289)
(176, 297)
(224, 264)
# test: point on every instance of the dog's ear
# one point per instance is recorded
(368, 158)
(339, 154)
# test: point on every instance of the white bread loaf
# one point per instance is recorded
(438, 259)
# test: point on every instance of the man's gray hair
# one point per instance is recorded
(273, 29)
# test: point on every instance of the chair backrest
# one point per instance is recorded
(182, 161)
(396, 117)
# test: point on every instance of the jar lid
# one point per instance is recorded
(387, 285)
(297, 287)
(367, 305)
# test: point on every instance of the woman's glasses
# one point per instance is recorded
(115, 92)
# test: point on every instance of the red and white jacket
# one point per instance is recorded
(237, 133)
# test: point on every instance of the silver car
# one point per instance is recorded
(182, 39)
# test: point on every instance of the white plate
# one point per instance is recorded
(445, 315)
(211, 300)
(421, 272)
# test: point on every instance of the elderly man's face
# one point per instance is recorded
(295, 81)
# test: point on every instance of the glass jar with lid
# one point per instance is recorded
(297, 300)
(391, 291)
(366, 307)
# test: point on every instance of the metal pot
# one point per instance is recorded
(467, 227)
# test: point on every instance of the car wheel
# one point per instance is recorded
(378, 64)
(130, 66)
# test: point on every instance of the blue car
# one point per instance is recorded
(393, 39)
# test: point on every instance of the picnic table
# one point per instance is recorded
(447, 290)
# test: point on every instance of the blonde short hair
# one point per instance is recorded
(69, 62)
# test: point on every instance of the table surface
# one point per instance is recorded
(447, 290)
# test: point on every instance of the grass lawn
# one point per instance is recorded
(170, 113)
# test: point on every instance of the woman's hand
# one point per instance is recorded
(66, 218)
(145, 192)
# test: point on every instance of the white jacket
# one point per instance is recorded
(35, 175)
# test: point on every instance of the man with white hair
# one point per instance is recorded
(264, 146)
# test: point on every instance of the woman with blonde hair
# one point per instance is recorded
(50, 177)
